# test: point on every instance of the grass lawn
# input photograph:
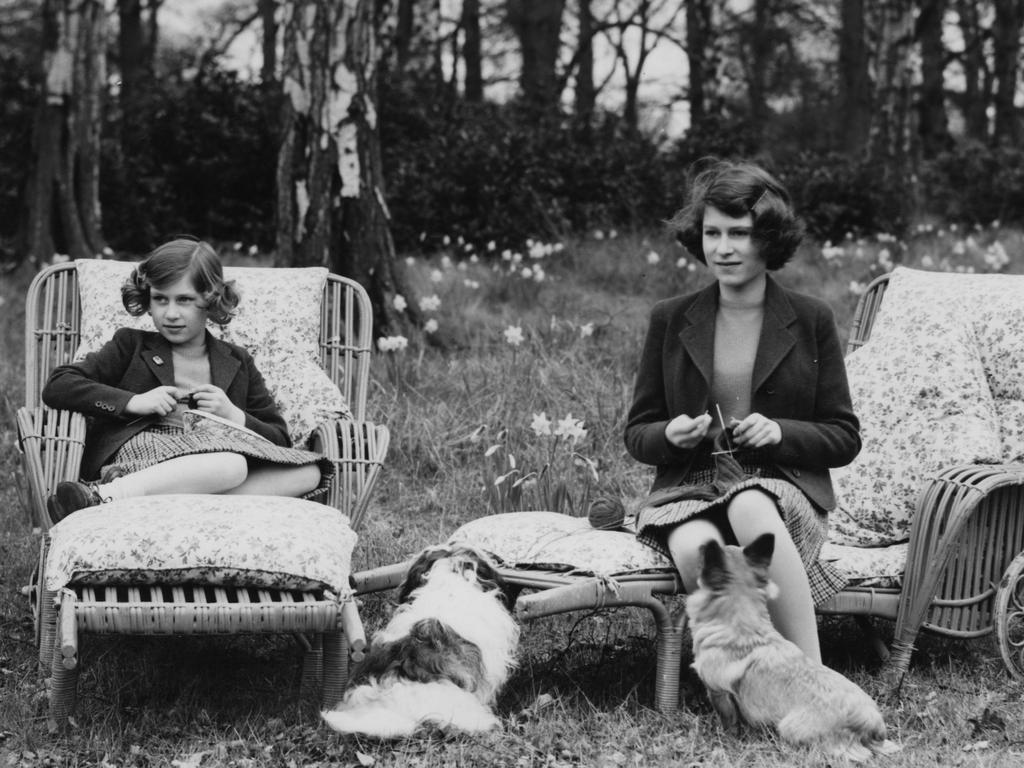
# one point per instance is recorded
(582, 695)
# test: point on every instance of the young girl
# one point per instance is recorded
(748, 370)
(136, 388)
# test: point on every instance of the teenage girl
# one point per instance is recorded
(136, 388)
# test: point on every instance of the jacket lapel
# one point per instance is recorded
(776, 339)
(223, 366)
(698, 337)
(156, 353)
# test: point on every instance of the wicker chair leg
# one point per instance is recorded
(47, 631)
(312, 668)
(335, 646)
(1009, 617)
(666, 686)
(63, 689)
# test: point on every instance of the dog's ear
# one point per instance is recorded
(759, 551)
(713, 573)
(414, 577)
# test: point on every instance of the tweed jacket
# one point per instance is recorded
(799, 381)
(134, 362)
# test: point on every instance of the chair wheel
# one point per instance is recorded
(1009, 617)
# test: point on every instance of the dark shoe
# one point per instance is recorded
(71, 497)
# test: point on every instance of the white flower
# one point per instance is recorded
(541, 424)
(410, 260)
(253, 250)
(587, 329)
(392, 343)
(471, 284)
(436, 275)
(927, 261)
(400, 302)
(446, 262)
(506, 255)
(538, 274)
(430, 303)
(430, 326)
(474, 259)
(108, 251)
(653, 257)
(491, 245)
(60, 258)
(857, 288)
(446, 241)
(517, 258)
(612, 234)
(239, 246)
(538, 251)
(514, 335)
(571, 428)
(526, 273)
(598, 234)
(959, 248)
(681, 262)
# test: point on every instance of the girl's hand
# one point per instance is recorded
(756, 431)
(159, 401)
(686, 432)
(213, 400)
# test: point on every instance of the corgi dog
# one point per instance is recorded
(443, 656)
(752, 673)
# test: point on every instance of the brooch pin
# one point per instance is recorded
(158, 360)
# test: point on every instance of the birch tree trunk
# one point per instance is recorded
(63, 190)
(331, 208)
(538, 24)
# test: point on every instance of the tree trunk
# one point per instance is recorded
(331, 207)
(268, 44)
(66, 141)
(976, 91)
(854, 82)
(698, 32)
(934, 128)
(1006, 31)
(538, 25)
(472, 57)
(890, 145)
(760, 49)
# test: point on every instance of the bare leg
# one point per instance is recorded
(752, 513)
(684, 543)
(198, 473)
(276, 480)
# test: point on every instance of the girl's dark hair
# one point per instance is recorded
(184, 256)
(736, 189)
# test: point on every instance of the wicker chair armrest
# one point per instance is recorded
(379, 579)
(358, 450)
(51, 443)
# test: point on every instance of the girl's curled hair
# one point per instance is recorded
(736, 189)
(184, 256)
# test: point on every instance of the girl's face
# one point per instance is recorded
(733, 257)
(179, 313)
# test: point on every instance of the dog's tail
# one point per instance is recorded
(395, 709)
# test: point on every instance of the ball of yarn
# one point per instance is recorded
(606, 513)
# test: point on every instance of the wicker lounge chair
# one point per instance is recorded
(324, 619)
(963, 575)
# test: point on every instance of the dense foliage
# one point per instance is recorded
(198, 154)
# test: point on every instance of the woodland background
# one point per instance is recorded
(112, 134)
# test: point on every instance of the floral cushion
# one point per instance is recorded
(277, 322)
(991, 306)
(868, 566)
(921, 390)
(259, 541)
(559, 542)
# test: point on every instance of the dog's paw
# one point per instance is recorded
(886, 747)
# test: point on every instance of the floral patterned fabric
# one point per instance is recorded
(559, 542)
(939, 383)
(259, 541)
(277, 322)
(868, 566)
(564, 543)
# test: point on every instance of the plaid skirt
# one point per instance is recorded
(807, 525)
(161, 442)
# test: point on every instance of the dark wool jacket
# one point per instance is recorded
(799, 381)
(134, 362)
